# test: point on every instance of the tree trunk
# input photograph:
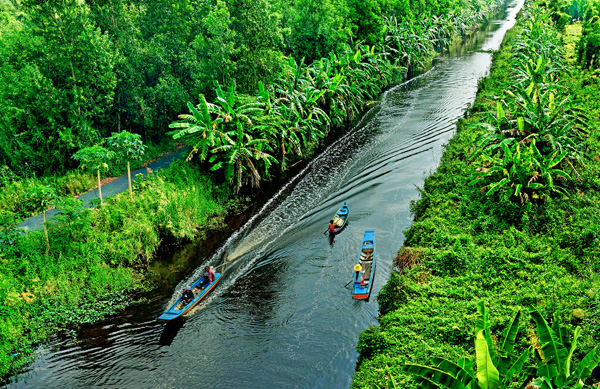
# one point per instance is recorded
(99, 188)
(129, 178)
(46, 233)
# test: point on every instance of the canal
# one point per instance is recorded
(281, 317)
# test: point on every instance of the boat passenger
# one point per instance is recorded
(331, 228)
(188, 295)
(208, 278)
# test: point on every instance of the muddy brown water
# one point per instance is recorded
(281, 317)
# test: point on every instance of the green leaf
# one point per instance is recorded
(518, 189)
(434, 377)
(510, 334)
(521, 124)
(516, 367)
(530, 88)
(487, 374)
(588, 364)
(567, 367)
(500, 111)
(482, 323)
(554, 352)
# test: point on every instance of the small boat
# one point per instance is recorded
(364, 270)
(340, 218)
(179, 307)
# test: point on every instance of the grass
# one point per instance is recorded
(97, 257)
(465, 247)
(14, 204)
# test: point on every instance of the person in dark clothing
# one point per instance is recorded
(188, 295)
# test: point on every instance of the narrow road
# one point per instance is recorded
(111, 188)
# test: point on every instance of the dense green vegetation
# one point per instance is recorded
(263, 82)
(93, 257)
(72, 72)
(510, 218)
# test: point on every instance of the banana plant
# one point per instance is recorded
(199, 129)
(521, 171)
(237, 156)
(230, 111)
(496, 365)
(554, 356)
(284, 124)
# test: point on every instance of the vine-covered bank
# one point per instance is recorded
(498, 275)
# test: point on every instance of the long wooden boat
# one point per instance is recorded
(364, 269)
(340, 218)
(179, 307)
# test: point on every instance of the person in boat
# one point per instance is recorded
(331, 228)
(188, 295)
(208, 278)
(360, 275)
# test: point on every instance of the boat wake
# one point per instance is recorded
(316, 188)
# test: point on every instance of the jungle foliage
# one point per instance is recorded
(467, 245)
(268, 81)
(73, 72)
(285, 117)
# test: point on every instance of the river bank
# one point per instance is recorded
(466, 246)
(132, 254)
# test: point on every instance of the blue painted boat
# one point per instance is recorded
(340, 218)
(364, 270)
(179, 307)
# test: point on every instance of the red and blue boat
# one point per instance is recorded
(364, 270)
(340, 218)
(179, 307)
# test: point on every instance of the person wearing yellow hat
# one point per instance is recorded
(360, 275)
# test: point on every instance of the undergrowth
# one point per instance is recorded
(465, 247)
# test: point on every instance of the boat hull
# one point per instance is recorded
(341, 217)
(364, 269)
(174, 312)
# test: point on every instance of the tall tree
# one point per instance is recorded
(214, 48)
(317, 27)
(69, 92)
(259, 39)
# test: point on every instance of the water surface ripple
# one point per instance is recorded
(281, 317)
